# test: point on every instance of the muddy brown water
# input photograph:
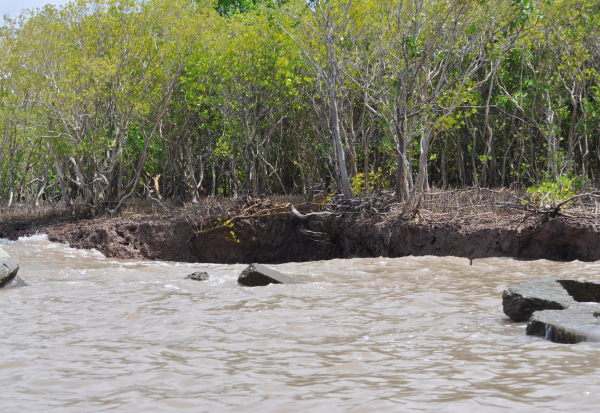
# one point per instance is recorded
(94, 334)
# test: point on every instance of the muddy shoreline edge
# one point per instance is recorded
(286, 238)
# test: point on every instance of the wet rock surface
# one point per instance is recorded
(15, 282)
(8, 272)
(561, 310)
(198, 276)
(258, 275)
(569, 326)
(521, 301)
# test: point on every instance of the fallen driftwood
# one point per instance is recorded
(561, 310)
(258, 275)
(304, 216)
(8, 272)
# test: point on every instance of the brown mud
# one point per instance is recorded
(287, 238)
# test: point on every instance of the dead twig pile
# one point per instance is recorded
(365, 206)
(483, 204)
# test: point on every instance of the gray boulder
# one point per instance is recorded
(8, 272)
(258, 275)
(569, 326)
(198, 276)
(519, 302)
(561, 310)
(15, 282)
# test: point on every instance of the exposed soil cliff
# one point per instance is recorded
(285, 238)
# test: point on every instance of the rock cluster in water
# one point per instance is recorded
(561, 310)
(258, 275)
(8, 272)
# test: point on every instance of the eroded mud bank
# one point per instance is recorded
(285, 238)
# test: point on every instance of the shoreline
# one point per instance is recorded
(287, 238)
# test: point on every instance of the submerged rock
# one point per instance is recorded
(8, 272)
(258, 275)
(198, 276)
(561, 310)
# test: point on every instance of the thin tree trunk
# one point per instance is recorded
(444, 166)
(61, 178)
(401, 168)
(598, 158)
(335, 128)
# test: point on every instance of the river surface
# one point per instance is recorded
(94, 334)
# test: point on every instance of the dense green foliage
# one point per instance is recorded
(104, 100)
